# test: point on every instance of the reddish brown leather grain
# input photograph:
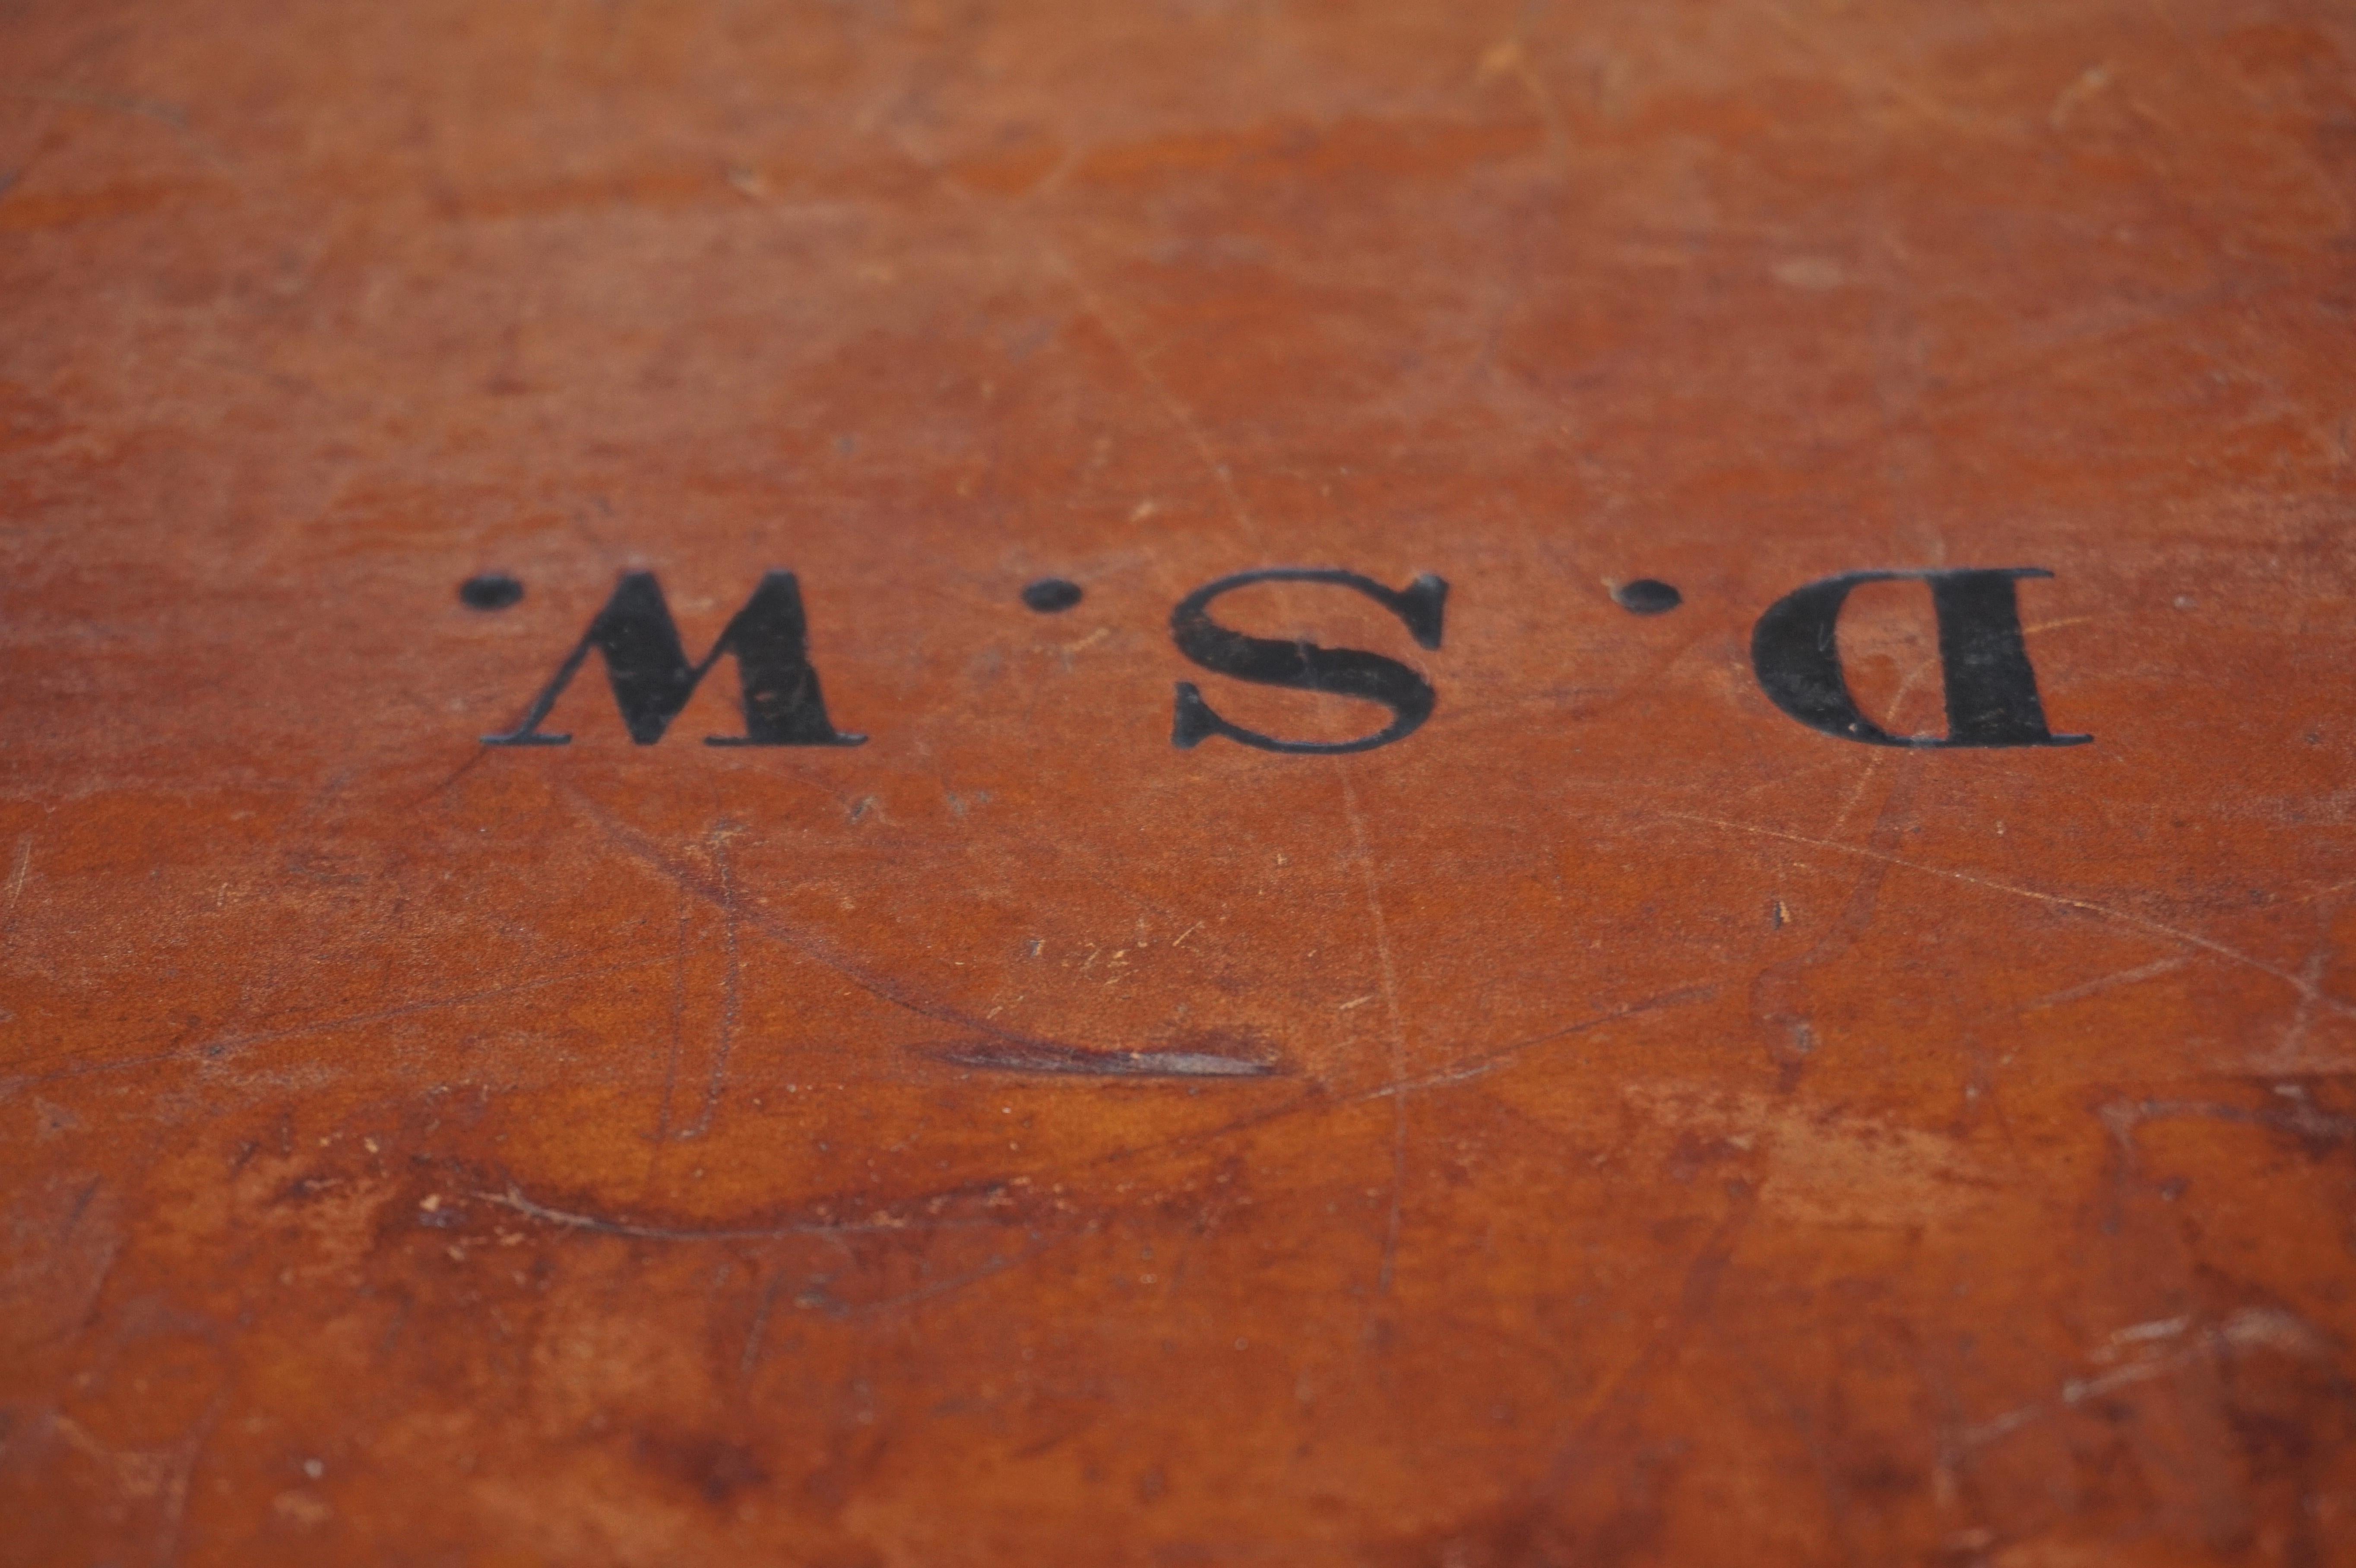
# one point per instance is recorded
(1688, 1138)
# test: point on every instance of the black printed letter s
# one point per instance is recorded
(1303, 665)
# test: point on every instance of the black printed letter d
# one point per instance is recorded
(1991, 689)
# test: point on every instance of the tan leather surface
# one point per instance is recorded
(1644, 1129)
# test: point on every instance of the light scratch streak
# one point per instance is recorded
(2305, 986)
(1397, 1027)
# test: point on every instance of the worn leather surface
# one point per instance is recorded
(1651, 1131)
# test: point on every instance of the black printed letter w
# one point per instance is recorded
(647, 666)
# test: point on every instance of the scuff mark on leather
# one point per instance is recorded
(1003, 1056)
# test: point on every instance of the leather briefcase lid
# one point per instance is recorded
(1188, 784)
